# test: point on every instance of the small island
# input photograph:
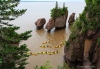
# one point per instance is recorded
(58, 18)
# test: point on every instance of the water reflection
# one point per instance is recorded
(41, 36)
(56, 34)
(40, 32)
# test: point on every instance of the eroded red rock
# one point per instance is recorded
(40, 23)
(71, 18)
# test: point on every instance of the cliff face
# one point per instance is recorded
(94, 53)
(85, 27)
(74, 50)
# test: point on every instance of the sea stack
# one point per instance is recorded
(50, 24)
(60, 22)
(59, 17)
(40, 23)
(71, 19)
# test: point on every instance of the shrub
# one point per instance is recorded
(67, 44)
(45, 66)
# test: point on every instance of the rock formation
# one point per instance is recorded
(94, 53)
(59, 16)
(60, 22)
(71, 18)
(50, 24)
(74, 50)
(86, 27)
(40, 23)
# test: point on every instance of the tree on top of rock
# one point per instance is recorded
(57, 12)
(56, 5)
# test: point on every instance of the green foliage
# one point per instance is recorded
(88, 20)
(45, 66)
(56, 12)
(13, 57)
(0, 61)
(11, 36)
(67, 44)
(96, 1)
(77, 26)
(12, 54)
(92, 22)
(73, 36)
(61, 67)
(56, 5)
(8, 11)
(98, 40)
(88, 2)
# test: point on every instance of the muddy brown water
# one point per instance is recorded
(57, 37)
(41, 36)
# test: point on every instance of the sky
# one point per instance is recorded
(58, 0)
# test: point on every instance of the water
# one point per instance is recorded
(26, 22)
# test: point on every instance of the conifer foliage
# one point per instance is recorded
(57, 11)
(12, 54)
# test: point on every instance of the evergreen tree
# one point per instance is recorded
(56, 12)
(12, 55)
(56, 5)
(64, 8)
(63, 5)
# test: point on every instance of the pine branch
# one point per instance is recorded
(12, 14)
(11, 54)
(25, 35)
(5, 23)
(7, 6)
(9, 1)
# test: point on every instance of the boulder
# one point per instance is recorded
(40, 23)
(71, 18)
(60, 22)
(50, 24)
